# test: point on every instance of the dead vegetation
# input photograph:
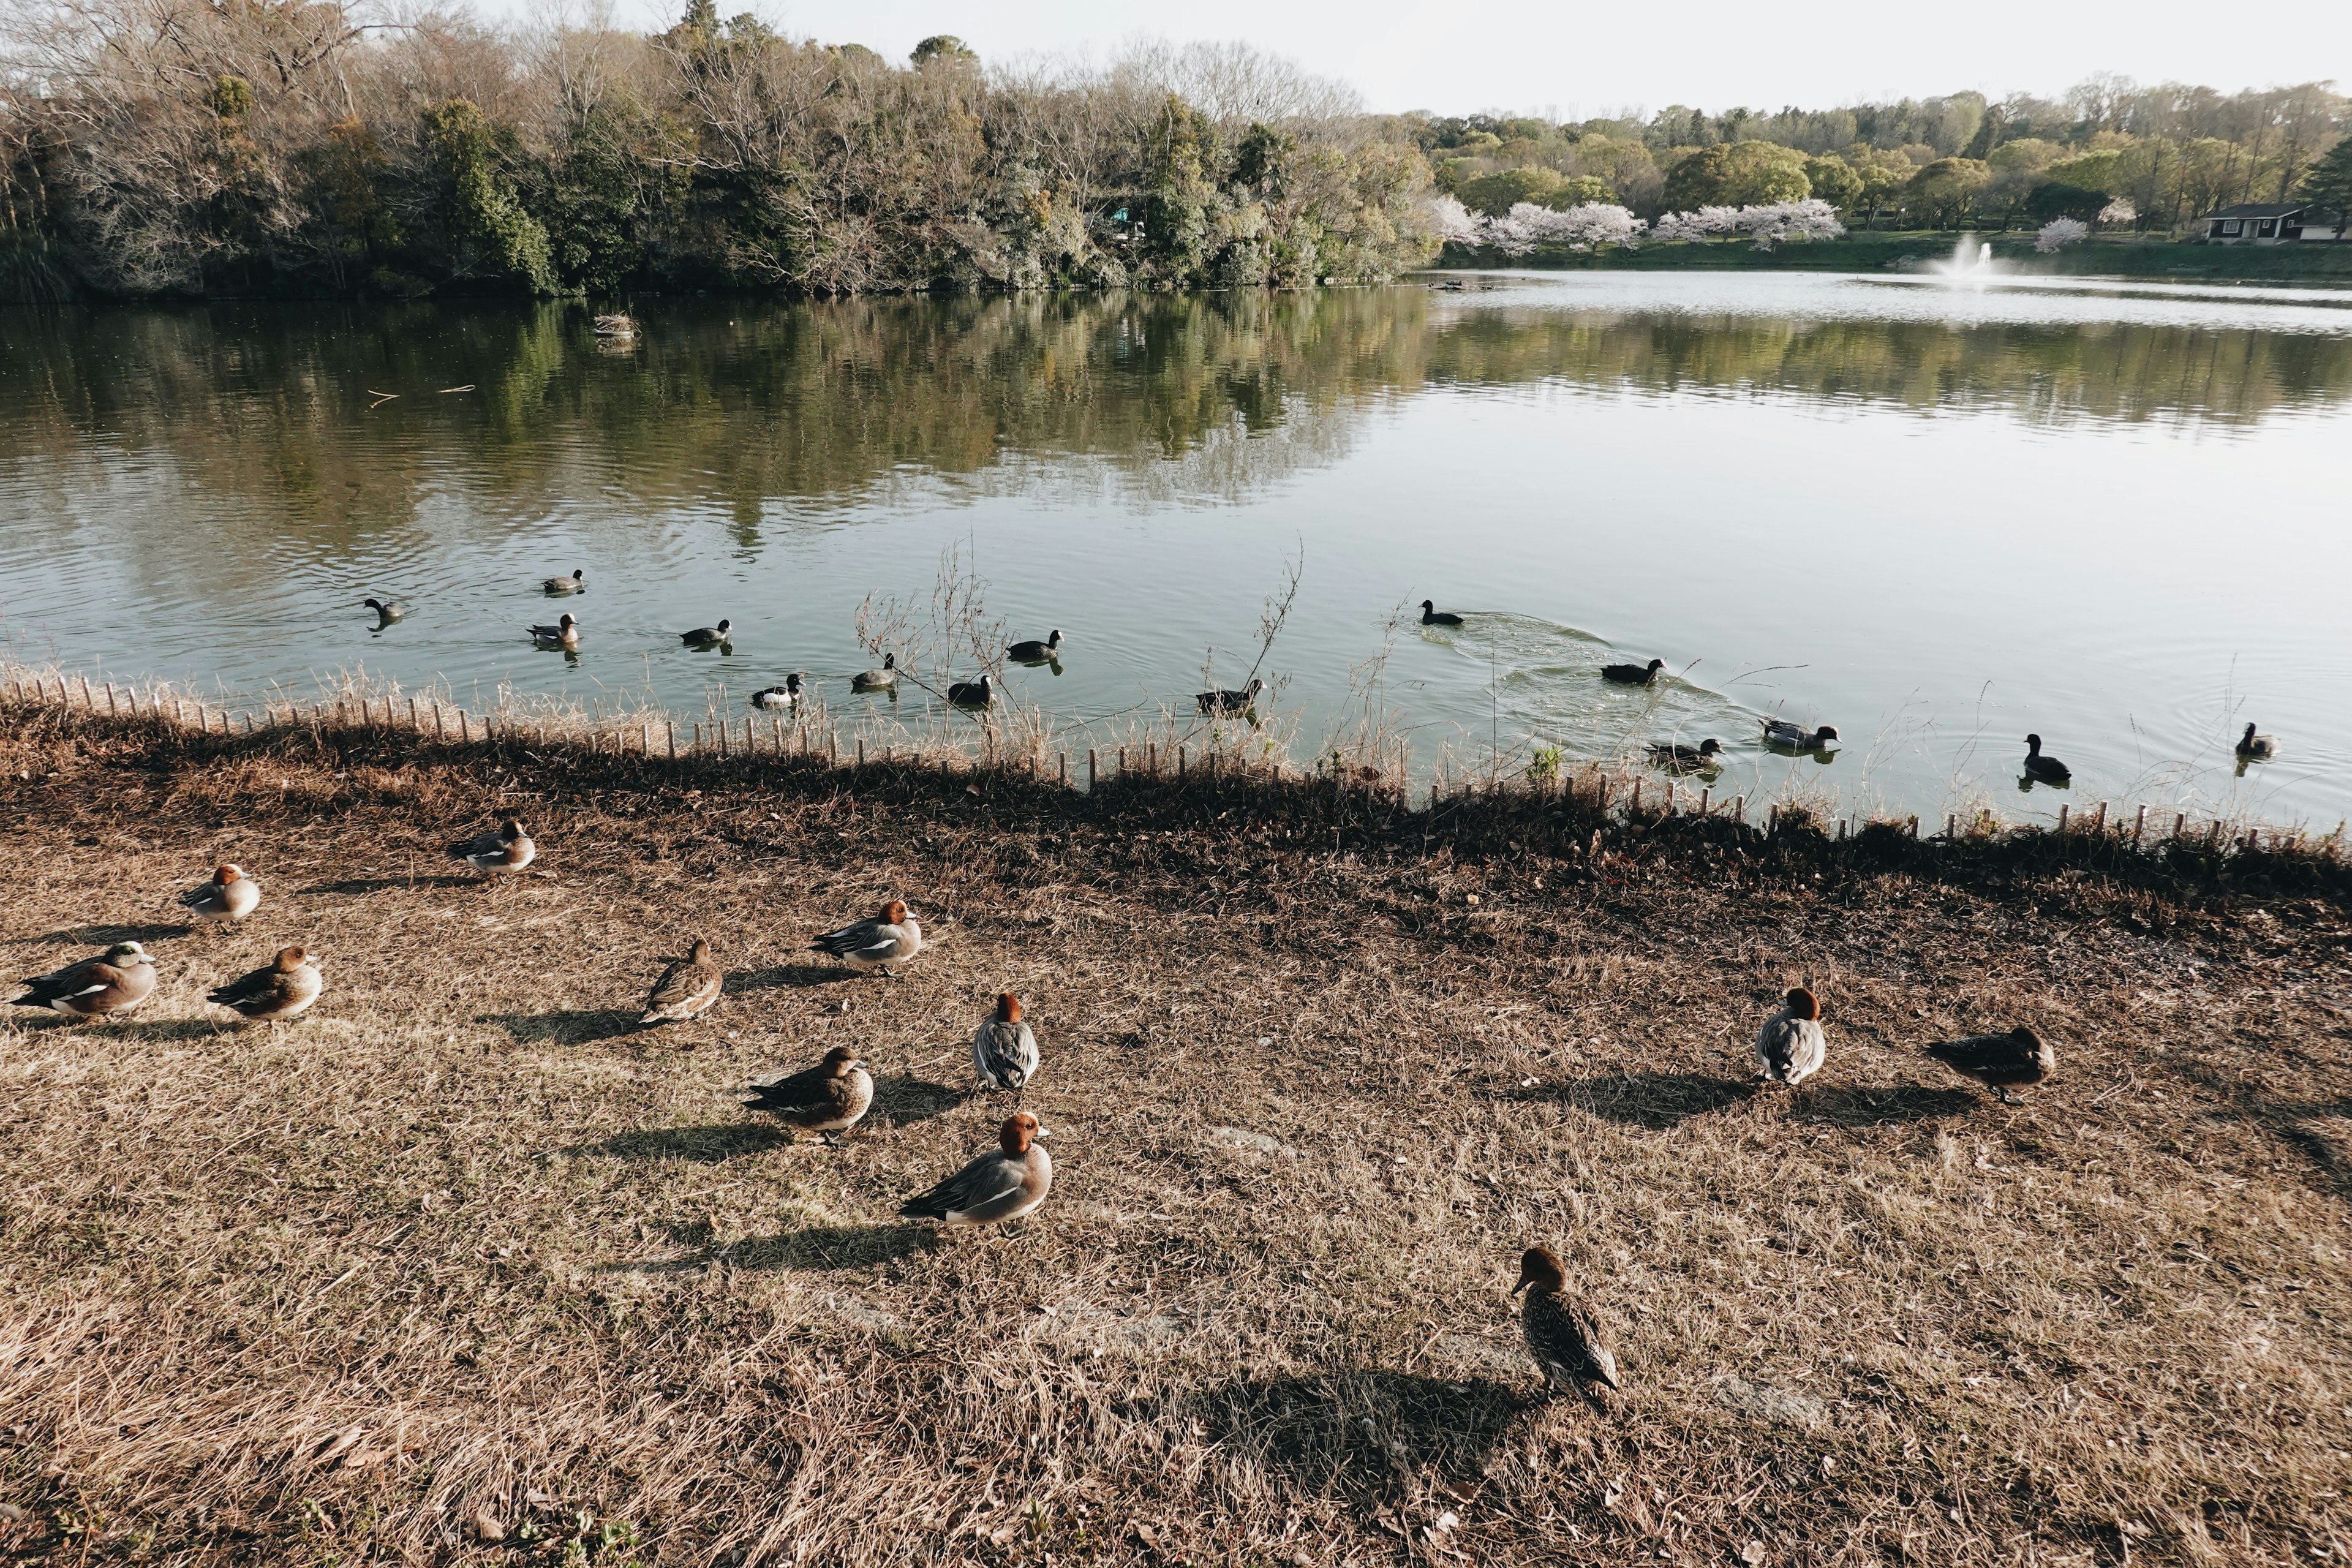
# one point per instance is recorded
(464, 1267)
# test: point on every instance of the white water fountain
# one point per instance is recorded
(1971, 262)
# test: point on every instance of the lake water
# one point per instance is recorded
(1935, 517)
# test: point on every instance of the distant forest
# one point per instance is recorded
(275, 147)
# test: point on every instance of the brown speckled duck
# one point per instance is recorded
(115, 981)
(828, 1098)
(231, 895)
(1791, 1046)
(890, 939)
(281, 990)
(1998, 1061)
(1564, 1338)
(687, 989)
(1004, 1184)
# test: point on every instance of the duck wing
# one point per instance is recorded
(858, 936)
(1004, 1053)
(1564, 1337)
(993, 1175)
(809, 1092)
(86, 978)
(261, 988)
(685, 989)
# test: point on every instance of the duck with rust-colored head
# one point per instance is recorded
(281, 990)
(506, 849)
(887, 943)
(231, 895)
(1004, 1184)
(1003, 1050)
(1564, 1338)
(1791, 1046)
(829, 1098)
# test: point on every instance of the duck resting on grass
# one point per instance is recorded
(2048, 770)
(1997, 1061)
(564, 633)
(1633, 674)
(888, 943)
(828, 1098)
(1003, 1050)
(1035, 652)
(1431, 615)
(1004, 1184)
(769, 699)
(231, 895)
(1678, 758)
(1791, 1046)
(687, 989)
(1231, 701)
(1563, 1338)
(279, 991)
(115, 981)
(881, 680)
(2262, 747)
(506, 848)
(1796, 737)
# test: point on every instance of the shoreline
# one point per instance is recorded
(463, 1263)
(2329, 264)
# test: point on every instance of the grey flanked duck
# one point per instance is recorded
(279, 991)
(1791, 1046)
(881, 680)
(2046, 769)
(1563, 1338)
(1998, 1061)
(707, 637)
(776, 699)
(828, 1098)
(687, 989)
(564, 633)
(1633, 674)
(1003, 1050)
(1035, 652)
(891, 938)
(570, 584)
(1796, 737)
(231, 895)
(115, 981)
(1004, 1184)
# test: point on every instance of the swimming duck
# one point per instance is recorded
(615, 326)
(2252, 745)
(570, 584)
(115, 981)
(1633, 674)
(705, 637)
(1790, 1046)
(271, 994)
(880, 680)
(1035, 652)
(687, 989)
(386, 610)
(1680, 759)
(973, 693)
(1004, 1184)
(1431, 615)
(564, 633)
(1564, 1338)
(1998, 1060)
(229, 896)
(829, 1098)
(1231, 701)
(1004, 1051)
(1796, 737)
(775, 697)
(508, 848)
(2049, 769)
(892, 937)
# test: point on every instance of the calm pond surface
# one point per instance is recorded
(1935, 517)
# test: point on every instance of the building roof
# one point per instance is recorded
(2261, 209)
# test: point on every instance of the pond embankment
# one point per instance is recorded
(463, 1265)
(1864, 251)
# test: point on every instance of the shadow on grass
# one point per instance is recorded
(705, 1145)
(582, 1026)
(792, 976)
(899, 1100)
(817, 1247)
(1361, 1427)
(152, 1031)
(1655, 1100)
(357, 886)
(1855, 1105)
(107, 936)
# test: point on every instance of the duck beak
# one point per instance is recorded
(1042, 1133)
(1524, 1280)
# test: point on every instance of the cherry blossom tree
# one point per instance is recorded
(2059, 233)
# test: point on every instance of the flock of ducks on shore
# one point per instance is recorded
(1002, 1183)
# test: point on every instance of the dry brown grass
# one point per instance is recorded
(461, 1248)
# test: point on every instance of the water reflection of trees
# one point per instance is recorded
(747, 404)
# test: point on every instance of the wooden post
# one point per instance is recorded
(1739, 810)
(2213, 838)
(248, 721)
(2139, 825)
(670, 727)
(1842, 829)
(1951, 827)
(1915, 825)
(2099, 826)
(1635, 809)
(1065, 770)
(1704, 797)
(1122, 761)
(1180, 764)
(87, 704)
(465, 727)
(861, 753)
(1090, 769)
(1151, 758)
(831, 749)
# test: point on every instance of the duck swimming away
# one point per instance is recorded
(1633, 674)
(1035, 652)
(1431, 615)
(1687, 758)
(2049, 769)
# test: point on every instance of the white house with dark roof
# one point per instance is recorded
(2264, 223)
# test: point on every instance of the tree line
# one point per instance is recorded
(285, 146)
(289, 147)
(2152, 159)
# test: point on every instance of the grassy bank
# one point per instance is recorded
(1867, 252)
(461, 1266)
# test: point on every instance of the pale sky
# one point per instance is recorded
(1584, 60)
